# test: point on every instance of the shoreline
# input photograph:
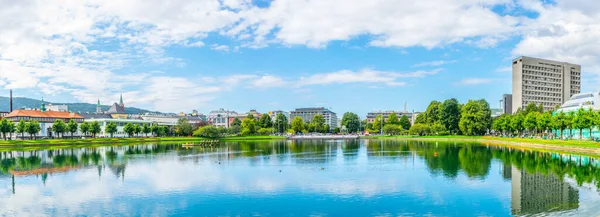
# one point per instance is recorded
(523, 144)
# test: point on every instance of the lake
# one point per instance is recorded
(300, 178)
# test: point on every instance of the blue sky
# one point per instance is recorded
(349, 55)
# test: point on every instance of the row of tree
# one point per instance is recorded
(451, 117)
(536, 122)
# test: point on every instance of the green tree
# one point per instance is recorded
(156, 130)
(571, 123)
(146, 129)
(393, 119)
(404, 122)
(530, 122)
(531, 107)
(95, 128)
(449, 115)
(540, 108)
(438, 129)
(392, 129)
(33, 128)
(560, 122)
(111, 128)
(585, 119)
(59, 127)
(319, 123)
(183, 127)
(432, 113)
(234, 130)
(166, 131)
(297, 124)
(378, 123)
(475, 118)
(421, 118)
(248, 126)
(264, 131)
(208, 132)
(85, 128)
(137, 129)
(419, 129)
(544, 121)
(22, 128)
(129, 128)
(72, 127)
(4, 127)
(351, 121)
(516, 123)
(236, 122)
(281, 123)
(265, 121)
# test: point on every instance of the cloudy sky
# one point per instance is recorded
(349, 55)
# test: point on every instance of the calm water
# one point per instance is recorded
(310, 178)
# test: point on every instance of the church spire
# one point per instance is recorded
(43, 106)
(121, 102)
(98, 107)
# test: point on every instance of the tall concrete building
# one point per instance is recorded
(546, 82)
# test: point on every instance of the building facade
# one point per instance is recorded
(120, 124)
(507, 104)
(221, 117)
(45, 118)
(274, 115)
(372, 115)
(58, 108)
(307, 114)
(546, 82)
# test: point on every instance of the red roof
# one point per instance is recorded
(40, 114)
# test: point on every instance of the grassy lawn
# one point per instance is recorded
(556, 142)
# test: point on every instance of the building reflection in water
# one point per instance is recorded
(534, 193)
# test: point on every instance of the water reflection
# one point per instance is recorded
(429, 177)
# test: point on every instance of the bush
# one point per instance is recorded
(234, 130)
(392, 129)
(420, 130)
(439, 129)
(264, 131)
(208, 132)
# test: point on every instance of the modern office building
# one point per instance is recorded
(307, 114)
(507, 104)
(546, 82)
(534, 193)
(582, 100)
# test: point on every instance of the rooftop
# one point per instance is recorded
(40, 114)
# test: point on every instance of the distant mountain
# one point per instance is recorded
(21, 102)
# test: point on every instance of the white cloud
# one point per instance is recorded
(474, 81)
(221, 47)
(393, 23)
(566, 31)
(267, 81)
(362, 76)
(435, 63)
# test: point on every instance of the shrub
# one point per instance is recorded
(208, 132)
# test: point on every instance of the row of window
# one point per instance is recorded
(527, 87)
(529, 77)
(545, 104)
(543, 84)
(542, 98)
(540, 68)
(547, 74)
(43, 119)
(537, 93)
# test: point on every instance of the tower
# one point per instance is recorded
(43, 106)
(98, 107)
(121, 102)
(11, 101)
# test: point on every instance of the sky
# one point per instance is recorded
(346, 55)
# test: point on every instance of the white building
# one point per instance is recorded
(582, 100)
(170, 120)
(221, 117)
(307, 114)
(273, 115)
(57, 108)
(120, 124)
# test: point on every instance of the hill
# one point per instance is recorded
(21, 102)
